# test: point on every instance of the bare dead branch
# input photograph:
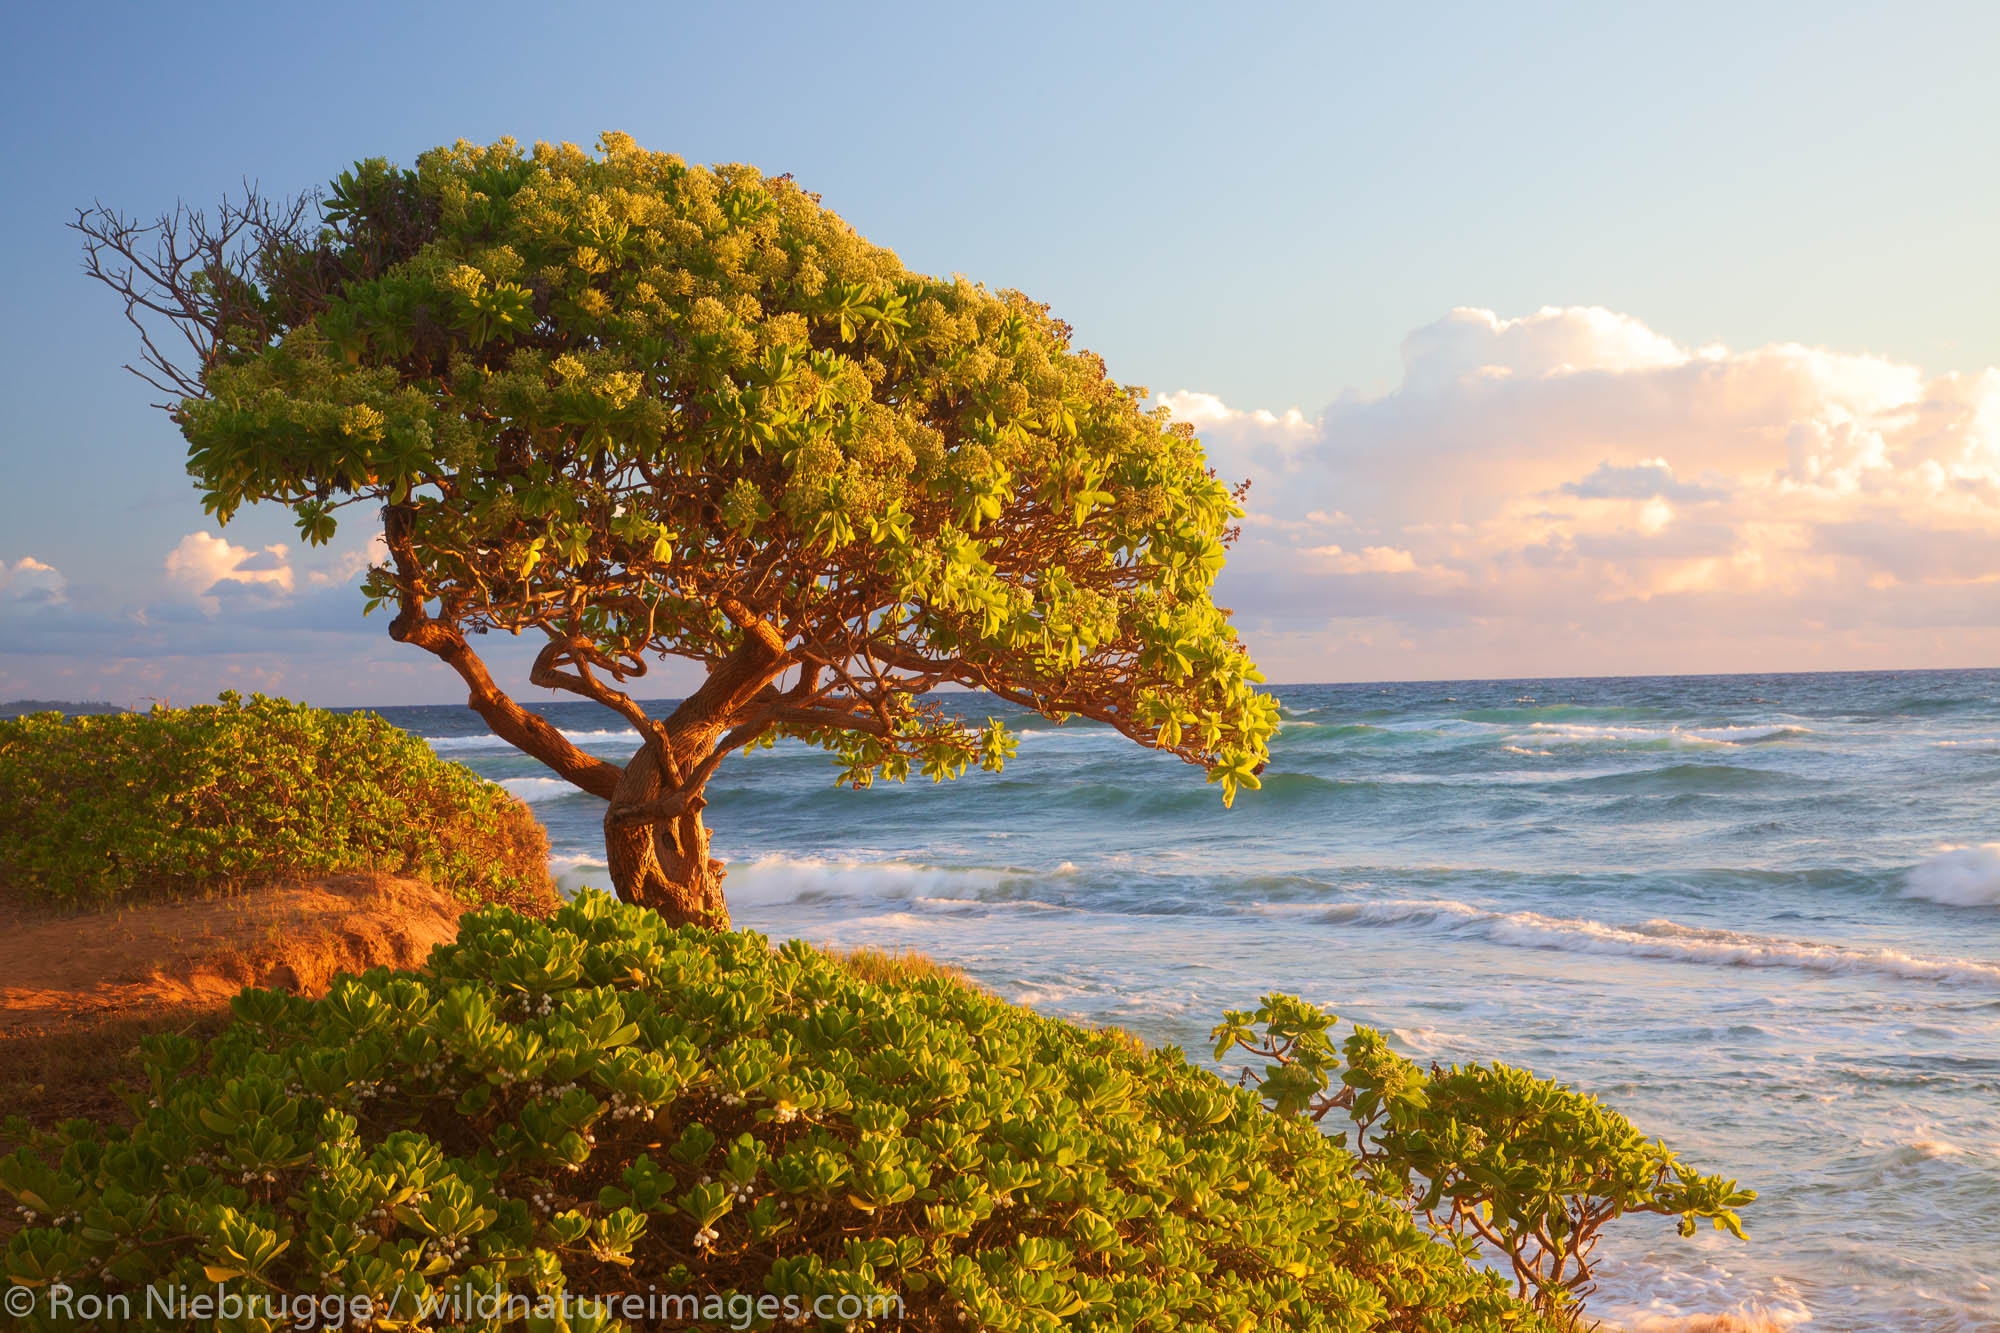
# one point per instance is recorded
(193, 275)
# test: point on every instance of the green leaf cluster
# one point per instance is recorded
(1486, 1153)
(597, 1102)
(637, 404)
(222, 796)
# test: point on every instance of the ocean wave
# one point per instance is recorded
(1664, 737)
(1564, 713)
(1034, 739)
(1918, 1151)
(1752, 735)
(1696, 778)
(1344, 736)
(1667, 941)
(1432, 1041)
(485, 741)
(1923, 704)
(775, 879)
(1642, 1295)
(1182, 798)
(1331, 731)
(536, 790)
(488, 741)
(1535, 735)
(1958, 877)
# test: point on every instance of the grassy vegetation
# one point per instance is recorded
(1489, 1156)
(86, 1068)
(224, 796)
(81, 990)
(900, 967)
(579, 1102)
(81, 1071)
(597, 1102)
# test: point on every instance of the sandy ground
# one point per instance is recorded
(56, 971)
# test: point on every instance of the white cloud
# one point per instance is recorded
(202, 565)
(30, 582)
(1551, 341)
(1368, 560)
(348, 566)
(1571, 491)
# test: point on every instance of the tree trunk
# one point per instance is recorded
(663, 865)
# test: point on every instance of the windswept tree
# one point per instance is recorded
(637, 409)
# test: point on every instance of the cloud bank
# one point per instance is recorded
(29, 582)
(1570, 493)
(208, 615)
(1566, 493)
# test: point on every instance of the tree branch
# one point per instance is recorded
(581, 681)
(509, 721)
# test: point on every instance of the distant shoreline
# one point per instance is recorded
(71, 707)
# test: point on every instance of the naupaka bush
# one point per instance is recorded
(221, 796)
(1488, 1155)
(602, 1103)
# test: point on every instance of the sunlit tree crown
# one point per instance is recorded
(647, 408)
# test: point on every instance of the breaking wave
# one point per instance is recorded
(1665, 940)
(536, 790)
(1958, 876)
(488, 741)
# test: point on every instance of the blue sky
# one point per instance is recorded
(1256, 210)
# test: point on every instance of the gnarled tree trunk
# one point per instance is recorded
(663, 863)
(654, 839)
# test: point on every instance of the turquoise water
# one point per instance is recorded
(1759, 914)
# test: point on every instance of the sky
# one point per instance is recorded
(1556, 340)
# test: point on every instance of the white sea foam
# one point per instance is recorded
(1432, 1041)
(775, 880)
(1642, 1295)
(989, 904)
(1925, 1150)
(488, 741)
(573, 874)
(1575, 733)
(448, 744)
(782, 879)
(1959, 876)
(1772, 731)
(1443, 726)
(1665, 940)
(533, 790)
(1071, 738)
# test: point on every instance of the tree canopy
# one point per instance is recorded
(644, 408)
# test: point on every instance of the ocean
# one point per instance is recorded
(1760, 915)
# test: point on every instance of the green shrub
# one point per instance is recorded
(217, 797)
(1484, 1153)
(598, 1103)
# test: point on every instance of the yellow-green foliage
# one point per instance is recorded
(1485, 1153)
(600, 1103)
(900, 967)
(217, 797)
(648, 407)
